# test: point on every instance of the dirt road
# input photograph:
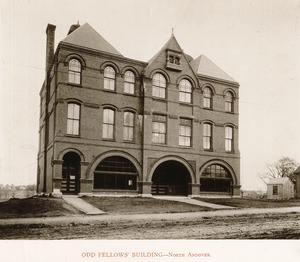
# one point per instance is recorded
(238, 226)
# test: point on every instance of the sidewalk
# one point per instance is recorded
(84, 219)
(191, 201)
(81, 205)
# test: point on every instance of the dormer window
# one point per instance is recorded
(173, 60)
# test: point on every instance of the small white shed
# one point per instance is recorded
(280, 188)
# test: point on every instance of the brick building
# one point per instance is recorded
(114, 125)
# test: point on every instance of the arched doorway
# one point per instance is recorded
(70, 173)
(171, 178)
(115, 173)
(216, 179)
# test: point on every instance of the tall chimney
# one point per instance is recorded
(50, 31)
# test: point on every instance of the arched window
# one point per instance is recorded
(108, 123)
(109, 78)
(207, 136)
(185, 91)
(115, 172)
(216, 178)
(129, 79)
(159, 85)
(207, 97)
(228, 102)
(74, 71)
(128, 126)
(228, 138)
(73, 121)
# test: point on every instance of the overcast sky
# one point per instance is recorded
(255, 41)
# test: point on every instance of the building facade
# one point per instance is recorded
(114, 125)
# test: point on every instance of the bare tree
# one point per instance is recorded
(284, 167)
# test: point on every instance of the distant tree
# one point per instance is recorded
(30, 190)
(1, 190)
(30, 187)
(284, 167)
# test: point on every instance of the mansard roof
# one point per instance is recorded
(86, 36)
(203, 66)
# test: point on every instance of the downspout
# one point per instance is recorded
(143, 130)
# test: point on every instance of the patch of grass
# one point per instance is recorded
(135, 205)
(252, 203)
(35, 207)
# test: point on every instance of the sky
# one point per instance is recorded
(255, 41)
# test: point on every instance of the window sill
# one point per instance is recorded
(129, 94)
(208, 108)
(228, 112)
(208, 150)
(229, 152)
(108, 139)
(185, 103)
(74, 84)
(158, 144)
(128, 142)
(182, 146)
(76, 136)
(159, 99)
(109, 91)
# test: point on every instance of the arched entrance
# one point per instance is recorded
(171, 178)
(216, 179)
(70, 173)
(115, 173)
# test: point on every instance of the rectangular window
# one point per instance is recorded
(128, 126)
(73, 119)
(108, 123)
(275, 190)
(207, 136)
(228, 139)
(159, 123)
(185, 132)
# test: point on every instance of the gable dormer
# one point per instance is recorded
(170, 57)
(174, 60)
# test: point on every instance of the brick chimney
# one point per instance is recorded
(50, 31)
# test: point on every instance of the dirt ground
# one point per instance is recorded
(251, 226)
